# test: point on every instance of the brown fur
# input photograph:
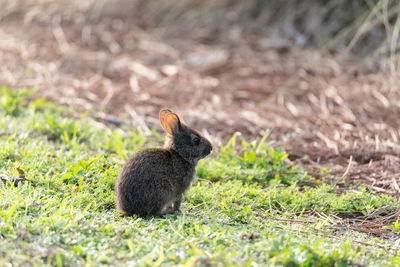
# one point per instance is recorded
(153, 181)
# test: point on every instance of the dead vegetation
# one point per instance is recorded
(376, 223)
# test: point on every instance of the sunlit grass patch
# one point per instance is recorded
(251, 162)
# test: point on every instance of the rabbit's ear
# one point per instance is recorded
(169, 121)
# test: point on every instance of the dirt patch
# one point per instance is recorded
(327, 111)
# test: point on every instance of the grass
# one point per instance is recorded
(242, 210)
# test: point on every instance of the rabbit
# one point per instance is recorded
(153, 181)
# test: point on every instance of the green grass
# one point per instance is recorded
(239, 212)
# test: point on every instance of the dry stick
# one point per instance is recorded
(348, 167)
(327, 217)
(379, 189)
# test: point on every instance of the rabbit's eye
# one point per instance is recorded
(196, 141)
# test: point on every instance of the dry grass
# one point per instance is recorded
(362, 27)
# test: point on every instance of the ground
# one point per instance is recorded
(336, 116)
(244, 208)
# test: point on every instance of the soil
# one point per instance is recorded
(332, 113)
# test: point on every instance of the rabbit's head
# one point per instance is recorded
(186, 141)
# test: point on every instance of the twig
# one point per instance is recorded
(348, 167)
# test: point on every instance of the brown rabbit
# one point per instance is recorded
(153, 181)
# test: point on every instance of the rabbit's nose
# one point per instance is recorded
(210, 148)
(207, 150)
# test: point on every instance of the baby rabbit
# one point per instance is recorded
(153, 181)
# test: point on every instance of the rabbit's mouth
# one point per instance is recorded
(207, 151)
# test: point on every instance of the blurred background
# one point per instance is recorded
(322, 75)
